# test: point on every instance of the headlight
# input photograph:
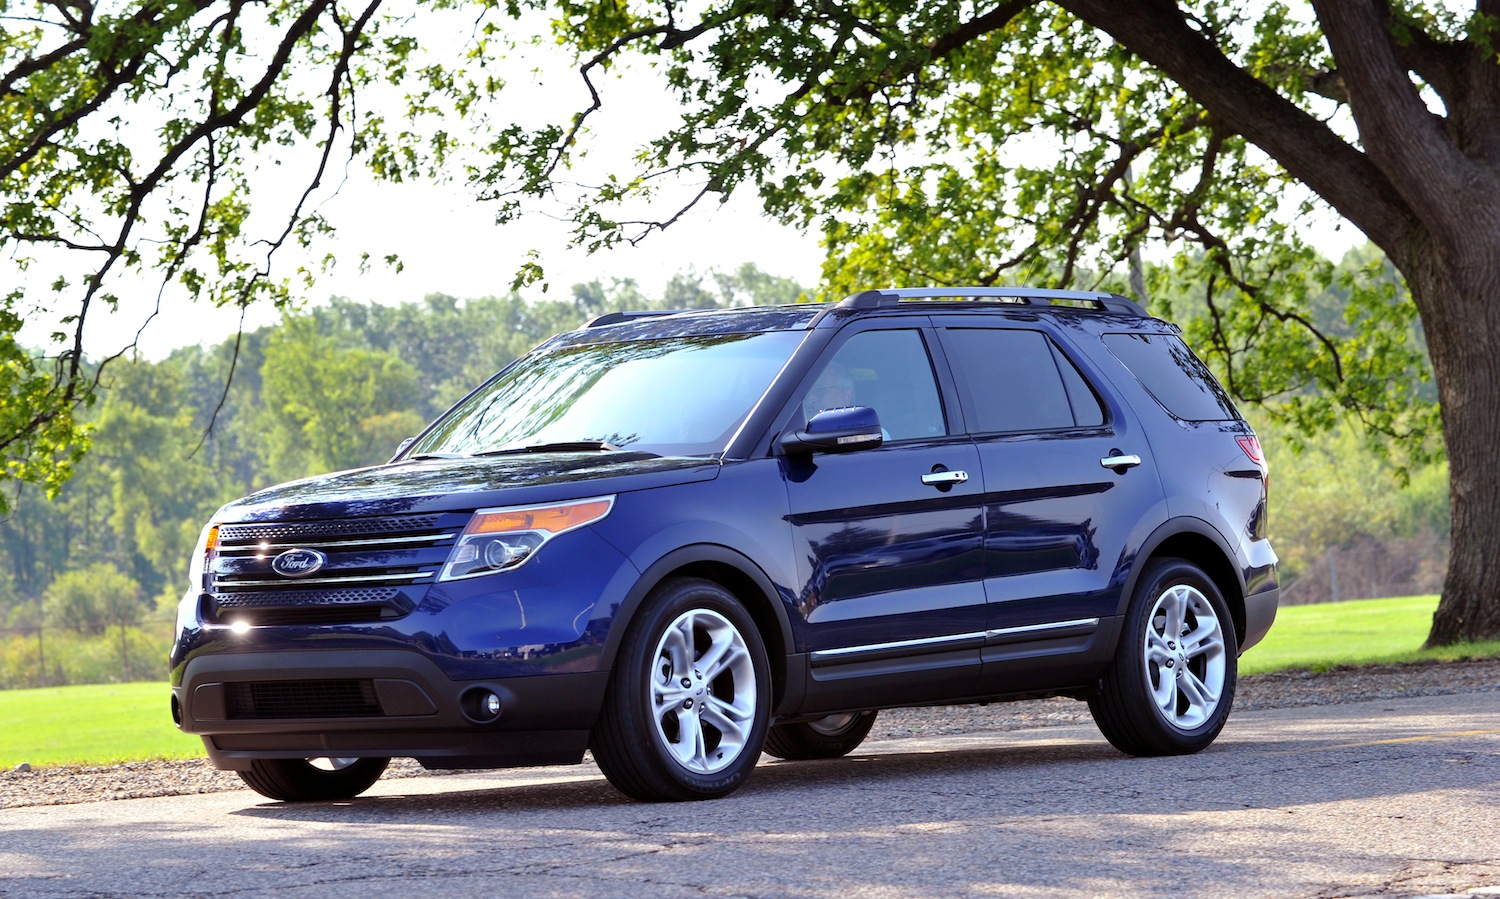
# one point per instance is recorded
(502, 539)
(208, 541)
(188, 606)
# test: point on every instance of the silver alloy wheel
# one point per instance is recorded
(326, 763)
(834, 725)
(702, 691)
(1184, 657)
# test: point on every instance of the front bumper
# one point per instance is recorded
(380, 703)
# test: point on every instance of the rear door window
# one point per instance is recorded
(1176, 378)
(1018, 380)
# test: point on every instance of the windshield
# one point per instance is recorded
(674, 396)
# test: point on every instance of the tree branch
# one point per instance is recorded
(296, 31)
(1156, 31)
(979, 26)
(334, 93)
(1398, 131)
(113, 73)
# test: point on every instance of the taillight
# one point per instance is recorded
(1251, 446)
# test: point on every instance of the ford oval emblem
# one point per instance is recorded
(298, 562)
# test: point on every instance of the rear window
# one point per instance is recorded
(1173, 375)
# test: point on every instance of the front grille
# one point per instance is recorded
(374, 569)
(303, 699)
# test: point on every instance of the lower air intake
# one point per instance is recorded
(304, 699)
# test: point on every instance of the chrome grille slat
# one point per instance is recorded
(343, 544)
(410, 578)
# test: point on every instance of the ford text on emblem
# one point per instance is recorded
(298, 562)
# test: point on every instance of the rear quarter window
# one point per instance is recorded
(1176, 378)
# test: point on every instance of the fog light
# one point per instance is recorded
(481, 704)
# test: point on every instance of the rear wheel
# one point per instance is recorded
(826, 738)
(688, 705)
(1170, 686)
(313, 780)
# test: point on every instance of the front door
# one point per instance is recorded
(888, 540)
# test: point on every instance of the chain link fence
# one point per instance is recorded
(53, 656)
(1370, 568)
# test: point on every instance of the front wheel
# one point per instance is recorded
(313, 780)
(830, 737)
(1170, 686)
(687, 707)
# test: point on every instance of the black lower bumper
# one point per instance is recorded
(1260, 613)
(386, 703)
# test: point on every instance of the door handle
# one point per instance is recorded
(1118, 461)
(940, 478)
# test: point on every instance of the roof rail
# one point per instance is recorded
(614, 318)
(1029, 296)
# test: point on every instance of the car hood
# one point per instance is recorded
(444, 485)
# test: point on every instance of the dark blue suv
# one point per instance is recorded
(679, 540)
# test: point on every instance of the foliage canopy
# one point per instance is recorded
(935, 142)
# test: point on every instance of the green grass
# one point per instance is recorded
(127, 722)
(1358, 632)
(97, 724)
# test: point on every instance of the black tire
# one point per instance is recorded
(826, 738)
(662, 699)
(312, 780)
(1164, 695)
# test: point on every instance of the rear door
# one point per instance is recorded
(1069, 492)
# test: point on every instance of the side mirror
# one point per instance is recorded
(835, 431)
(402, 448)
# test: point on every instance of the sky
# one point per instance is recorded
(449, 244)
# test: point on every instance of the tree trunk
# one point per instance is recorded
(1457, 290)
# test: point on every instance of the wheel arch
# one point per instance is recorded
(1198, 542)
(735, 573)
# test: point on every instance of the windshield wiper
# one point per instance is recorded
(436, 456)
(566, 446)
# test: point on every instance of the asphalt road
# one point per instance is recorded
(1393, 797)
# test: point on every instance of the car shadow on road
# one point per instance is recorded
(1061, 772)
(929, 772)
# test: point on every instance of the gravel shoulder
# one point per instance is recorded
(136, 780)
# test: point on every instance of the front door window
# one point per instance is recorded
(888, 371)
